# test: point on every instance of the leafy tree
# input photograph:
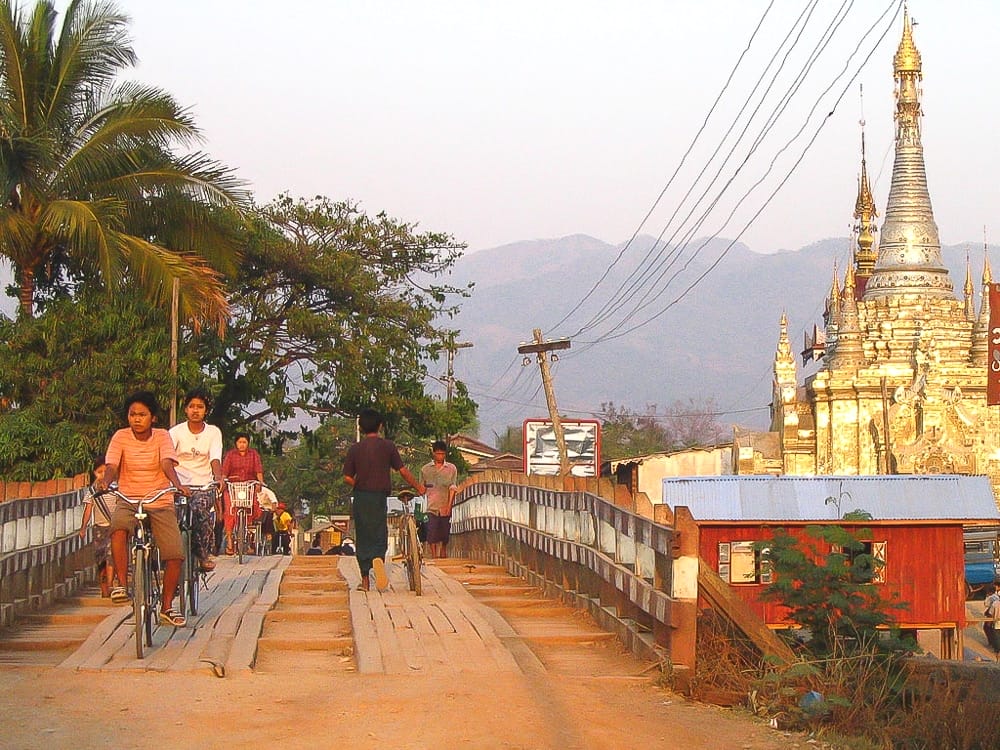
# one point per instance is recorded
(825, 580)
(92, 190)
(512, 440)
(65, 374)
(313, 469)
(682, 424)
(333, 310)
(626, 433)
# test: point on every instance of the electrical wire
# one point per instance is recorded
(677, 169)
(651, 283)
(618, 331)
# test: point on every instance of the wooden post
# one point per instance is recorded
(540, 348)
(452, 348)
(174, 314)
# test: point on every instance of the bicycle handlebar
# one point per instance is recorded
(138, 502)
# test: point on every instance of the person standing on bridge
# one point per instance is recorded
(368, 469)
(439, 477)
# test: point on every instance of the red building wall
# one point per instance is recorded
(925, 566)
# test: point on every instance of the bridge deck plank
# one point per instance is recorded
(395, 632)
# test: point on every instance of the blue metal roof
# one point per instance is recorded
(886, 498)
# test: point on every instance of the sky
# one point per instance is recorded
(508, 120)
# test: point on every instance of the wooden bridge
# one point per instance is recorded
(275, 612)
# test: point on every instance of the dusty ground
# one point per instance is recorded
(44, 707)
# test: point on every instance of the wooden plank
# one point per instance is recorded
(465, 646)
(393, 661)
(367, 648)
(413, 653)
(718, 593)
(430, 639)
(96, 640)
(494, 647)
(244, 649)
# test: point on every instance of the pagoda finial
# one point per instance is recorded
(907, 59)
(987, 276)
(909, 252)
(969, 290)
(864, 217)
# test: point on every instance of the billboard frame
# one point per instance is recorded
(548, 465)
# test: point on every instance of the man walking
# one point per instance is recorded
(439, 477)
(368, 469)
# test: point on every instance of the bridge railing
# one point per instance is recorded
(584, 549)
(42, 557)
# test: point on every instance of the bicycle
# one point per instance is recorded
(242, 498)
(408, 546)
(146, 593)
(192, 577)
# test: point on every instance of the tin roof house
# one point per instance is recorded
(915, 528)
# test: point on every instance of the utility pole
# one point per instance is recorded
(541, 348)
(452, 347)
(174, 304)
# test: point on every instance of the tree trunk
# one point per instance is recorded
(27, 296)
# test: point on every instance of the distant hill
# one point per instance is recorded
(716, 340)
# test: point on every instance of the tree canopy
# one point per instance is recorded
(333, 310)
(682, 424)
(100, 182)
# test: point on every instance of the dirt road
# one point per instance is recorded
(49, 708)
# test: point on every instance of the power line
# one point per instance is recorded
(677, 169)
(617, 331)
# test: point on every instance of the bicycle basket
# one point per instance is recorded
(242, 494)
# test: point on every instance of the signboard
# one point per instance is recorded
(993, 365)
(583, 445)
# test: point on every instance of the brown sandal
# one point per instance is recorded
(206, 566)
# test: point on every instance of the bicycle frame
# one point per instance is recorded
(191, 577)
(145, 576)
(408, 545)
(242, 495)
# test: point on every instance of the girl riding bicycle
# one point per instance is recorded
(141, 459)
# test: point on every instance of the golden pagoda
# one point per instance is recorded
(902, 384)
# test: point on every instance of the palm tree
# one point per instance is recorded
(92, 189)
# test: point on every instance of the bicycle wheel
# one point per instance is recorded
(187, 570)
(153, 568)
(191, 580)
(413, 556)
(241, 535)
(139, 585)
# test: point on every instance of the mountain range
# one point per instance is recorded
(711, 334)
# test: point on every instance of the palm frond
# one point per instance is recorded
(93, 48)
(202, 294)
(16, 234)
(89, 230)
(12, 62)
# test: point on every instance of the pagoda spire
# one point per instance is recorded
(981, 331)
(969, 291)
(850, 349)
(864, 218)
(909, 254)
(783, 409)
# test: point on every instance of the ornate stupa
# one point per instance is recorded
(902, 383)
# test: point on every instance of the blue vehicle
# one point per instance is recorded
(982, 559)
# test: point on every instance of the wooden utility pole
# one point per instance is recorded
(541, 348)
(174, 305)
(452, 348)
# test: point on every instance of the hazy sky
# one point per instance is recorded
(502, 121)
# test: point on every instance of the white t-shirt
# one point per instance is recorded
(195, 452)
(266, 498)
